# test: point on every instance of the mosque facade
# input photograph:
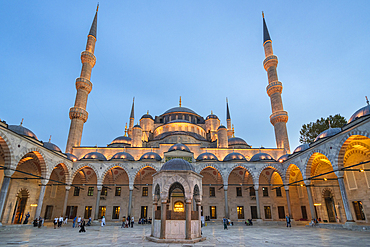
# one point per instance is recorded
(328, 179)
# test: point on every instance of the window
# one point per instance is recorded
(252, 191)
(265, 191)
(213, 212)
(212, 191)
(240, 211)
(90, 191)
(102, 210)
(254, 212)
(115, 214)
(304, 212)
(268, 212)
(88, 210)
(76, 192)
(144, 212)
(281, 212)
(278, 191)
(104, 191)
(359, 211)
(145, 191)
(118, 191)
(239, 191)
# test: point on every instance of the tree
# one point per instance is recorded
(310, 131)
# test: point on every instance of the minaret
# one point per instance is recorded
(78, 113)
(279, 117)
(228, 120)
(132, 119)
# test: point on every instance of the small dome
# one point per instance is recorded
(150, 156)
(234, 157)
(19, 129)
(211, 116)
(137, 126)
(124, 156)
(177, 165)
(94, 156)
(327, 133)
(122, 140)
(236, 141)
(262, 157)
(52, 146)
(147, 116)
(364, 111)
(283, 158)
(207, 157)
(71, 157)
(301, 147)
(179, 147)
(180, 109)
(221, 127)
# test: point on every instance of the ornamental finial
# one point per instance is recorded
(97, 7)
(50, 138)
(22, 122)
(263, 15)
(126, 130)
(367, 101)
(180, 102)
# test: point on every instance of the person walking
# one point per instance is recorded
(26, 220)
(224, 220)
(55, 222)
(132, 221)
(65, 221)
(288, 221)
(60, 223)
(123, 222)
(40, 222)
(79, 221)
(103, 221)
(74, 222)
(82, 229)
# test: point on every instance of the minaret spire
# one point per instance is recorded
(132, 118)
(228, 120)
(279, 117)
(78, 113)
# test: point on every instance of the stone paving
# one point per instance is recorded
(216, 236)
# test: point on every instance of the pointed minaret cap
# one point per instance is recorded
(227, 110)
(94, 25)
(132, 109)
(266, 35)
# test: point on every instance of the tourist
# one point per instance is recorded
(288, 221)
(89, 222)
(74, 222)
(82, 227)
(224, 220)
(79, 221)
(123, 221)
(40, 222)
(26, 220)
(132, 221)
(102, 221)
(60, 221)
(35, 222)
(55, 222)
(65, 221)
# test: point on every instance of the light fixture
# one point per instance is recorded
(361, 170)
(325, 179)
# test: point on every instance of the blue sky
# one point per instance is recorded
(203, 51)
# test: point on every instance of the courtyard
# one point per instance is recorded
(113, 235)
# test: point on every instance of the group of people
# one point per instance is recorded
(127, 222)
(38, 222)
(59, 221)
(227, 222)
(80, 223)
(145, 221)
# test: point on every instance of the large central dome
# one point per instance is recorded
(180, 109)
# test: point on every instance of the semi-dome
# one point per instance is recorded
(234, 157)
(211, 116)
(19, 129)
(177, 165)
(122, 140)
(94, 156)
(123, 156)
(364, 111)
(150, 156)
(52, 146)
(71, 157)
(180, 109)
(327, 133)
(301, 147)
(147, 116)
(283, 158)
(262, 157)
(179, 147)
(221, 127)
(207, 157)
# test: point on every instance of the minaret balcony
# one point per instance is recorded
(279, 116)
(270, 61)
(84, 84)
(79, 113)
(88, 57)
(274, 87)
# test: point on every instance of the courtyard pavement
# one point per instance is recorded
(216, 236)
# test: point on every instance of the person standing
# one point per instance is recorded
(123, 221)
(26, 220)
(82, 226)
(132, 221)
(103, 221)
(60, 221)
(224, 220)
(55, 222)
(40, 222)
(288, 221)
(74, 222)
(79, 221)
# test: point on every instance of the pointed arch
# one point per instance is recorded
(289, 171)
(120, 165)
(80, 166)
(177, 179)
(8, 150)
(200, 168)
(40, 156)
(277, 167)
(248, 169)
(308, 164)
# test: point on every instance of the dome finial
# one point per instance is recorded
(180, 102)
(97, 7)
(50, 138)
(263, 15)
(126, 130)
(329, 124)
(233, 132)
(22, 122)
(211, 112)
(147, 112)
(367, 101)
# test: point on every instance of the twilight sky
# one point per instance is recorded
(203, 51)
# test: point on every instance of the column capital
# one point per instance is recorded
(8, 173)
(188, 201)
(44, 182)
(286, 187)
(164, 201)
(225, 187)
(339, 174)
(68, 187)
(99, 187)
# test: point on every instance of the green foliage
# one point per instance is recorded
(310, 131)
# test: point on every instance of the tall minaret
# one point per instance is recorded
(279, 117)
(78, 113)
(132, 119)
(228, 120)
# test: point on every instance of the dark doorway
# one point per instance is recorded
(20, 206)
(254, 212)
(330, 208)
(304, 212)
(71, 212)
(48, 212)
(281, 212)
(144, 212)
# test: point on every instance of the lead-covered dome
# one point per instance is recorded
(238, 142)
(123, 156)
(301, 147)
(234, 157)
(211, 116)
(262, 157)
(177, 165)
(150, 156)
(19, 129)
(71, 157)
(121, 141)
(94, 156)
(327, 133)
(283, 158)
(52, 146)
(147, 116)
(180, 109)
(364, 111)
(221, 127)
(207, 157)
(179, 147)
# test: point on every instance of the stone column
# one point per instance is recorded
(96, 216)
(130, 201)
(258, 204)
(4, 193)
(163, 219)
(226, 204)
(65, 201)
(310, 200)
(288, 202)
(343, 192)
(153, 217)
(41, 197)
(200, 219)
(188, 219)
